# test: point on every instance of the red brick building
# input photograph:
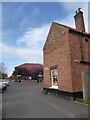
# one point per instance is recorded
(66, 56)
(28, 70)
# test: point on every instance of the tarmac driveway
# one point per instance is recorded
(26, 100)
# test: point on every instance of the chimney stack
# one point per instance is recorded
(79, 21)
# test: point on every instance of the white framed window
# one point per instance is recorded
(54, 75)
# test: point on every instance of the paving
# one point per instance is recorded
(26, 100)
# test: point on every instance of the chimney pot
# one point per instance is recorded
(79, 9)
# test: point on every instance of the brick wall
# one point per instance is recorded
(56, 52)
(76, 67)
(62, 49)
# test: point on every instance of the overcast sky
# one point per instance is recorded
(25, 26)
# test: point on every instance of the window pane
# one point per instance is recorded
(54, 76)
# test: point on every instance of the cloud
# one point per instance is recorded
(12, 56)
(29, 47)
(0, 53)
(19, 55)
(19, 52)
(33, 40)
(30, 43)
(26, 20)
(72, 7)
(10, 70)
(0, 21)
(69, 20)
(34, 37)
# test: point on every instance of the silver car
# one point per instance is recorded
(2, 86)
(6, 82)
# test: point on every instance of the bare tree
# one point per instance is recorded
(3, 70)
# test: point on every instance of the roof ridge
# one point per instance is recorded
(71, 28)
(29, 64)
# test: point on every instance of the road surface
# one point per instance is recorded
(26, 100)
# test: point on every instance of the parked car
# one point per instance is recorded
(19, 80)
(6, 82)
(39, 78)
(2, 86)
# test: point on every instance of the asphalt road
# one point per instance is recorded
(26, 100)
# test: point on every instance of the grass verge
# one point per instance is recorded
(83, 101)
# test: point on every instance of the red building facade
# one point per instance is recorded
(66, 56)
(28, 70)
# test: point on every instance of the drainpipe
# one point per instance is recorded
(81, 49)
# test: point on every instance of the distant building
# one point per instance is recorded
(28, 71)
(66, 56)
